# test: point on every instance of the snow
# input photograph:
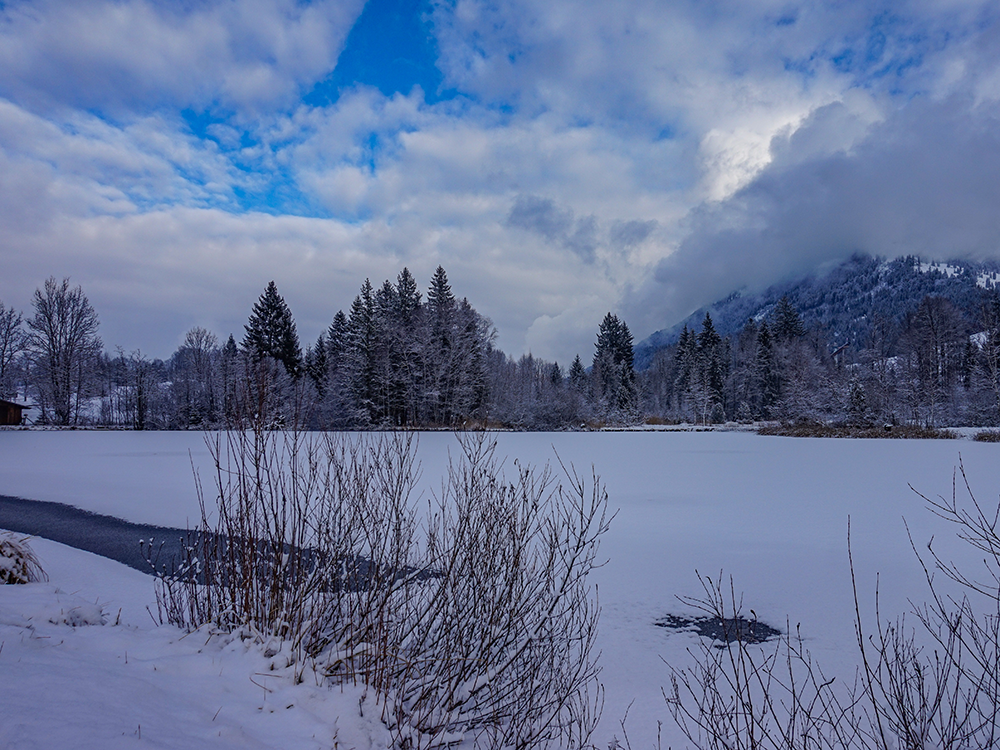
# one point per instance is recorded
(771, 512)
(936, 266)
(988, 279)
(66, 680)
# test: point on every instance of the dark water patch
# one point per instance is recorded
(187, 554)
(725, 630)
(111, 537)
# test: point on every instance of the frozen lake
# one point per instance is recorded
(771, 512)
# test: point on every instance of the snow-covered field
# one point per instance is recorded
(771, 512)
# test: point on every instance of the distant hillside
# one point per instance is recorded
(844, 301)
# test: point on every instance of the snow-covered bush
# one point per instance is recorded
(18, 563)
(469, 615)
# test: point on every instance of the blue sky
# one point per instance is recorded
(560, 159)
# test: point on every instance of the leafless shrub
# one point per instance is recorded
(933, 686)
(747, 695)
(818, 429)
(987, 436)
(472, 617)
(18, 563)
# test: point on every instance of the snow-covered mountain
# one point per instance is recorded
(844, 301)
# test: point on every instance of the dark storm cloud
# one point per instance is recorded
(925, 181)
(541, 216)
(628, 234)
(556, 224)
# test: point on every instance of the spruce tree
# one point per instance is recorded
(408, 298)
(711, 360)
(317, 365)
(787, 324)
(556, 375)
(229, 366)
(613, 368)
(766, 383)
(577, 375)
(440, 300)
(362, 352)
(685, 365)
(270, 332)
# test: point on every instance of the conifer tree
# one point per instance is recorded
(338, 407)
(711, 360)
(229, 369)
(408, 298)
(362, 353)
(577, 375)
(685, 365)
(614, 375)
(440, 300)
(270, 332)
(317, 365)
(766, 382)
(786, 321)
(556, 375)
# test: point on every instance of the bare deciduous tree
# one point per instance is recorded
(64, 344)
(13, 340)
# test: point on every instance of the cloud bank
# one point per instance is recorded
(578, 157)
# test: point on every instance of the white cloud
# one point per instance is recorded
(590, 142)
(119, 55)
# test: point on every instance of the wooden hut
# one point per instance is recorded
(11, 413)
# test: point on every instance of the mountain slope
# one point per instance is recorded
(845, 301)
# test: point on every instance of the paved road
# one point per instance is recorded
(102, 535)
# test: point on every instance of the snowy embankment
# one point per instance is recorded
(82, 665)
(771, 512)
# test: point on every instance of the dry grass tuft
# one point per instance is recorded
(18, 563)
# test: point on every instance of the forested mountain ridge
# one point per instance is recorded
(844, 302)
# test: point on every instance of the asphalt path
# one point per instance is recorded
(103, 535)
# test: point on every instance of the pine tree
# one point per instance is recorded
(439, 359)
(229, 364)
(338, 406)
(577, 375)
(712, 362)
(685, 366)
(613, 370)
(556, 375)
(440, 300)
(408, 298)
(707, 383)
(336, 339)
(786, 322)
(362, 353)
(766, 382)
(270, 332)
(317, 365)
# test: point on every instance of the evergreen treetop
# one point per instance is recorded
(270, 331)
(786, 321)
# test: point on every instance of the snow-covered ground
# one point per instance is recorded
(770, 512)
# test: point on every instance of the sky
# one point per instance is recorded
(559, 158)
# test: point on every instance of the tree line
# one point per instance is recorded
(932, 366)
(396, 358)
